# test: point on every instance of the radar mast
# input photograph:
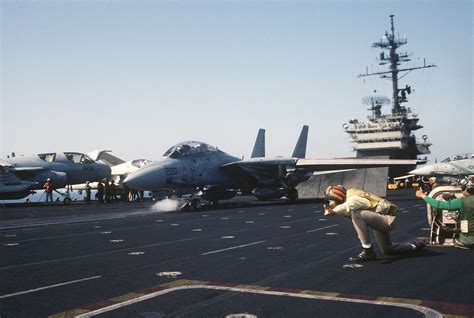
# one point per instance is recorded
(389, 134)
(391, 43)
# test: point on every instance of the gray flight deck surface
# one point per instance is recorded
(267, 259)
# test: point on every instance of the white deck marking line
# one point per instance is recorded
(322, 228)
(232, 248)
(96, 254)
(48, 287)
(42, 223)
(95, 232)
(428, 312)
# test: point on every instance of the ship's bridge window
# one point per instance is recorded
(49, 157)
(188, 148)
(78, 158)
(139, 163)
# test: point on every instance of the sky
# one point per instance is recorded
(137, 77)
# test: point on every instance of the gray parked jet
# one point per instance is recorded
(455, 166)
(20, 175)
(196, 167)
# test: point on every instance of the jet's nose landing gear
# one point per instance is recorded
(292, 195)
(66, 195)
(213, 204)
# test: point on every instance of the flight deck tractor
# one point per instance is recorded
(445, 226)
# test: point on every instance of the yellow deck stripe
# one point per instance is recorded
(254, 287)
(400, 300)
(183, 282)
(126, 297)
(69, 314)
(319, 293)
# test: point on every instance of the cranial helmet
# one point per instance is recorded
(336, 193)
(464, 182)
(467, 185)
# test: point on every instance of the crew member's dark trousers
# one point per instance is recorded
(100, 197)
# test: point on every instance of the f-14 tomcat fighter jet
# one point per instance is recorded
(63, 168)
(193, 166)
(455, 166)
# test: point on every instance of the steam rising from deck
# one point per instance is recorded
(165, 205)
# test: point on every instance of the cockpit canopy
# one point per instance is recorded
(139, 163)
(75, 157)
(188, 148)
(48, 157)
(459, 157)
(78, 158)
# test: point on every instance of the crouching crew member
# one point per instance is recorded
(368, 211)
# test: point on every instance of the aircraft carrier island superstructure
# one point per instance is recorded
(389, 135)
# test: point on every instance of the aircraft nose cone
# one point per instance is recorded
(146, 179)
(422, 171)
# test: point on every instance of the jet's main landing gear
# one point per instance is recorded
(195, 205)
(213, 204)
(67, 195)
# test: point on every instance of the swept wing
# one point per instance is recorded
(351, 163)
(11, 187)
(266, 170)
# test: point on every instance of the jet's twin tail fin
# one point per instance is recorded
(300, 148)
(259, 147)
(299, 151)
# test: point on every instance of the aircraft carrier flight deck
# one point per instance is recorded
(272, 259)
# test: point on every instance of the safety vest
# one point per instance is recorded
(48, 187)
(377, 204)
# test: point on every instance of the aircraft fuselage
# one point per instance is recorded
(62, 171)
(193, 171)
